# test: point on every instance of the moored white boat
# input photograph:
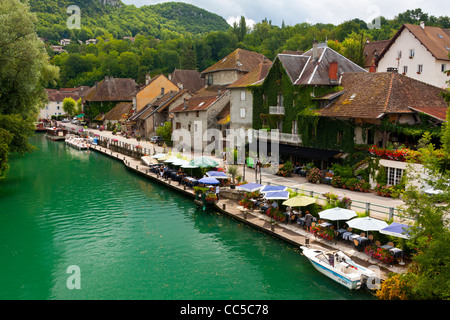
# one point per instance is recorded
(77, 142)
(339, 267)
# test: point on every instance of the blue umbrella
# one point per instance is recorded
(397, 230)
(277, 195)
(217, 174)
(250, 187)
(209, 180)
(273, 188)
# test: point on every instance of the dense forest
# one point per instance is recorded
(176, 35)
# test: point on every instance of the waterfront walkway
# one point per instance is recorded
(382, 208)
(286, 232)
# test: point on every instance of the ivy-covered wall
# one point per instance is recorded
(299, 105)
(93, 109)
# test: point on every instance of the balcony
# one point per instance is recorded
(285, 138)
(276, 110)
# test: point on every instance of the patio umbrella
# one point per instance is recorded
(171, 160)
(217, 174)
(180, 162)
(166, 157)
(250, 187)
(336, 214)
(273, 188)
(204, 162)
(397, 230)
(158, 156)
(432, 191)
(277, 195)
(209, 180)
(367, 224)
(299, 201)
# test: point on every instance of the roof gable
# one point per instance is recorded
(112, 89)
(257, 74)
(239, 60)
(190, 79)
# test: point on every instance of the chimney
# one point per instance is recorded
(333, 71)
(315, 55)
(162, 91)
(422, 25)
(185, 103)
(147, 79)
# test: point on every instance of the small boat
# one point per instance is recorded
(339, 267)
(56, 134)
(77, 142)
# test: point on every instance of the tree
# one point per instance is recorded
(166, 132)
(25, 71)
(69, 106)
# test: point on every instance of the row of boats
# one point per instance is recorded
(78, 142)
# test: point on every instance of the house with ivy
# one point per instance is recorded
(295, 86)
(107, 94)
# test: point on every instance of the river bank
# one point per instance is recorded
(285, 232)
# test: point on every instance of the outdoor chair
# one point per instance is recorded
(356, 242)
(363, 234)
(377, 243)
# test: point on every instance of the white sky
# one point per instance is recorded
(312, 11)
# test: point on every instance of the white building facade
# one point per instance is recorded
(419, 52)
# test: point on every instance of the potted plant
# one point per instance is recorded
(315, 175)
(233, 171)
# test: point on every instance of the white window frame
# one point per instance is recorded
(243, 95)
(394, 175)
(420, 68)
(243, 112)
(412, 53)
(405, 69)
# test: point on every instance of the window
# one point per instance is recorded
(177, 115)
(210, 79)
(405, 69)
(280, 99)
(411, 53)
(294, 127)
(243, 95)
(242, 112)
(57, 108)
(394, 176)
(420, 68)
(178, 125)
(443, 67)
(197, 114)
(189, 127)
(340, 134)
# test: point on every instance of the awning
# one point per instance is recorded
(100, 117)
(80, 115)
(225, 120)
(309, 153)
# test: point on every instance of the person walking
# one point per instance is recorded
(217, 192)
(308, 221)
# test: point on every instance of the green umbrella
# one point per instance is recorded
(204, 162)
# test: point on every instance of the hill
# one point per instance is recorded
(100, 17)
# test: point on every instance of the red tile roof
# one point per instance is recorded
(240, 59)
(190, 79)
(372, 51)
(257, 74)
(372, 95)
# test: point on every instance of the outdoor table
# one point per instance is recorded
(353, 236)
(301, 221)
(387, 247)
(362, 241)
(396, 252)
(264, 208)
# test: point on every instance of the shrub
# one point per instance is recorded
(314, 175)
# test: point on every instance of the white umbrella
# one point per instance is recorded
(159, 155)
(180, 162)
(171, 160)
(367, 224)
(336, 214)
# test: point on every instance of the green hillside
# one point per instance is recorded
(100, 17)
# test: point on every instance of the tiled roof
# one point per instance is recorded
(302, 70)
(190, 79)
(372, 95)
(195, 104)
(435, 39)
(372, 50)
(59, 96)
(116, 113)
(257, 74)
(112, 89)
(240, 59)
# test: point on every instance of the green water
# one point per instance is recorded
(133, 239)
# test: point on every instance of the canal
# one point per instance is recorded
(133, 239)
